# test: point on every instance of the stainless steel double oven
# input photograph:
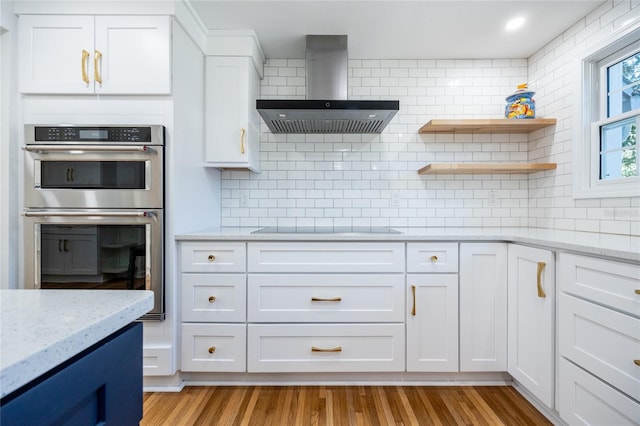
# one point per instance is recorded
(94, 208)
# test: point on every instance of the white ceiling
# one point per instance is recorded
(398, 29)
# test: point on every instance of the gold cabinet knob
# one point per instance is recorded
(212, 299)
(211, 258)
(434, 259)
(638, 291)
(637, 362)
(212, 349)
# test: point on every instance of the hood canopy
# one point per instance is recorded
(326, 109)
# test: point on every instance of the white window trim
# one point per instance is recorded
(585, 167)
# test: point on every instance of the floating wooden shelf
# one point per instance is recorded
(484, 168)
(501, 125)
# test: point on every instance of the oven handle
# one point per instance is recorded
(91, 148)
(85, 214)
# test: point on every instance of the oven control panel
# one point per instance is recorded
(102, 134)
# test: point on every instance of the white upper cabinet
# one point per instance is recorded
(232, 122)
(530, 311)
(95, 55)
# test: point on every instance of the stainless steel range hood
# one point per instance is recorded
(326, 109)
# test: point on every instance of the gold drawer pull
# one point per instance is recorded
(336, 349)
(212, 349)
(212, 299)
(211, 258)
(434, 259)
(637, 362)
(329, 299)
(413, 307)
(638, 291)
(541, 292)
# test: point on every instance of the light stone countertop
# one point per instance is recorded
(40, 329)
(609, 245)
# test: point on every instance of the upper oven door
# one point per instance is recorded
(93, 176)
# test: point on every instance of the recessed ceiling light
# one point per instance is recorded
(515, 23)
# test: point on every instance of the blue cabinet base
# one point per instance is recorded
(101, 385)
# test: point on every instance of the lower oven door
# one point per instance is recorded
(96, 249)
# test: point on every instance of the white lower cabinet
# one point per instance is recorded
(432, 322)
(432, 307)
(213, 295)
(214, 347)
(599, 341)
(531, 308)
(587, 400)
(483, 307)
(325, 347)
(325, 307)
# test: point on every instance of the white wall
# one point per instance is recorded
(9, 182)
(553, 72)
(362, 180)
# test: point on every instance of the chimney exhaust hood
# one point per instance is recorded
(326, 109)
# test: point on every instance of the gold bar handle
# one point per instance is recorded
(212, 299)
(242, 132)
(413, 306)
(97, 60)
(541, 292)
(336, 349)
(212, 349)
(328, 299)
(83, 66)
(637, 362)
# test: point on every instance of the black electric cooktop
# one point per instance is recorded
(326, 230)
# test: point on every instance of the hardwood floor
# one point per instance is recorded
(341, 405)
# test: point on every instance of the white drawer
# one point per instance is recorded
(432, 257)
(211, 256)
(585, 400)
(214, 347)
(602, 341)
(609, 283)
(326, 298)
(214, 297)
(338, 347)
(325, 257)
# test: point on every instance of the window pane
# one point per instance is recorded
(623, 81)
(619, 164)
(618, 135)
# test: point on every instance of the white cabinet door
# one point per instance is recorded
(87, 54)
(55, 54)
(134, 55)
(432, 322)
(531, 300)
(232, 122)
(483, 307)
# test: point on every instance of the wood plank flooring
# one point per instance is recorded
(341, 405)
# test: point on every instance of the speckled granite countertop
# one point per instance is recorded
(609, 245)
(40, 329)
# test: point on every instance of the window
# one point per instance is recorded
(605, 145)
